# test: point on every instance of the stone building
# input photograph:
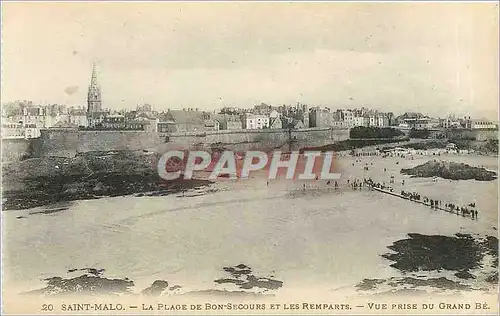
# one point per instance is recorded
(189, 120)
(255, 121)
(228, 121)
(319, 117)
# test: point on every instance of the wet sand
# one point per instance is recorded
(319, 238)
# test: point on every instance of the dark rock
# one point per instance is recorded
(37, 182)
(450, 170)
(156, 288)
(369, 284)
(401, 283)
(493, 278)
(85, 284)
(435, 252)
(464, 275)
(250, 281)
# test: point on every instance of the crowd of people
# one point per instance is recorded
(355, 184)
(469, 210)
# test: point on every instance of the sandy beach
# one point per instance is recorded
(319, 238)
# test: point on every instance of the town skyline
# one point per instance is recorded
(438, 69)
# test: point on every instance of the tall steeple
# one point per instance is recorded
(94, 94)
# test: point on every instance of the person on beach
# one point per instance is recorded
(304, 188)
(336, 185)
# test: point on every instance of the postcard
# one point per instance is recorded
(250, 158)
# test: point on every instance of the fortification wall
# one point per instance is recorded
(257, 139)
(116, 140)
(483, 135)
(477, 134)
(16, 149)
(58, 142)
(68, 143)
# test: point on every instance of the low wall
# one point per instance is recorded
(487, 134)
(256, 139)
(68, 143)
(15, 149)
(60, 143)
(477, 134)
(116, 140)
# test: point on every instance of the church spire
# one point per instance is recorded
(94, 93)
(93, 79)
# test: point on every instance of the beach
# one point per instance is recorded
(318, 238)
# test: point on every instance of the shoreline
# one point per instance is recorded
(175, 224)
(39, 182)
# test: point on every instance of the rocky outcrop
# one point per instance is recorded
(156, 288)
(450, 170)
(42, 181)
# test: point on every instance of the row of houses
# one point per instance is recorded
(349, 118)
(467, 122)
(28, 122)
(419, 121)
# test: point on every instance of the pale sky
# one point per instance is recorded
(436, 58)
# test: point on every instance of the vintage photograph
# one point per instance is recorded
(249, 157)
